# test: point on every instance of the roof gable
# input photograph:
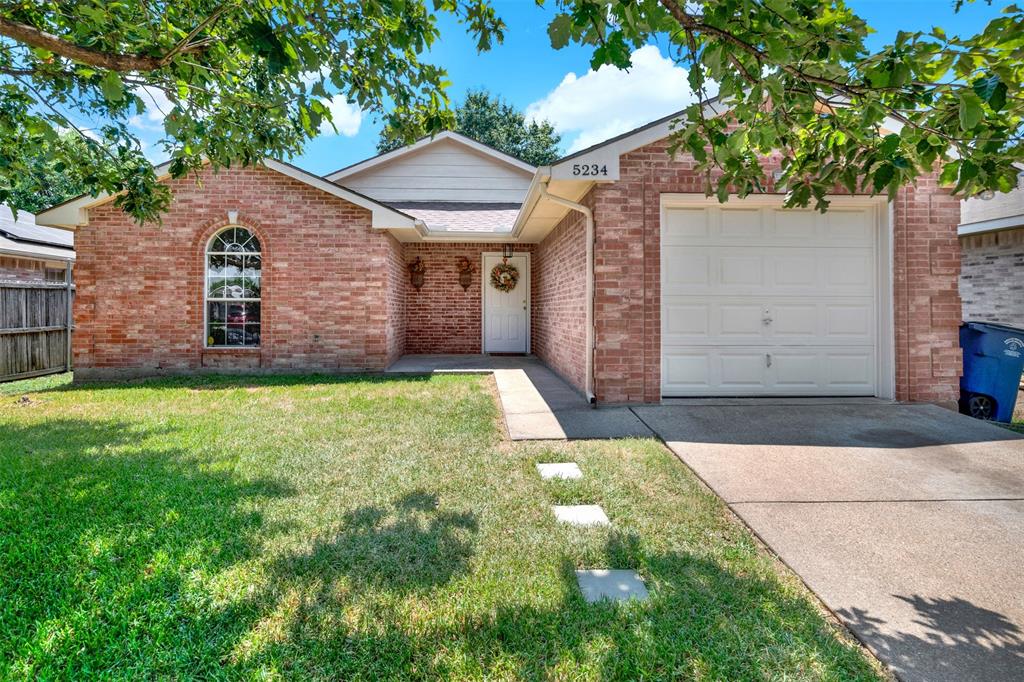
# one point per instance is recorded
(425, 142)
(448, 168)
(75, 212)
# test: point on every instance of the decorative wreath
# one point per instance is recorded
(504, 277)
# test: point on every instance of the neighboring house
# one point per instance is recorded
(992, 246)
(31, 252)
(273, 269)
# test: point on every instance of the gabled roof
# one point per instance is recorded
(22, 238)
(74, 212)
(458, 138)
(24, 229)
(462, 216)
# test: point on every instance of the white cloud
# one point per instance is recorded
(600, 104)
(346, 117)
(157, 107)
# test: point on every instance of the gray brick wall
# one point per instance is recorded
(992, 277)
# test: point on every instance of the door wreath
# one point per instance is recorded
(504, 277)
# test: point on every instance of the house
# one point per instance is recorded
(992, 245)
(31, 252)
(610, 265)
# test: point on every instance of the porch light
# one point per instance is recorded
(507, 250)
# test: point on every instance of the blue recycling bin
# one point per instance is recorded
(993, 362)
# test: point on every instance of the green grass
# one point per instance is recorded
(364, 528)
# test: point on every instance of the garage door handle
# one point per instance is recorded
(766, 320)
(768, 359)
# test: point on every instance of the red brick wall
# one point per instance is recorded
(397, 277)
(927, 300)
(139, 305)
(558, 326)
(441, 317)
(627, 281)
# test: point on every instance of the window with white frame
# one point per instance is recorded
(234, 266)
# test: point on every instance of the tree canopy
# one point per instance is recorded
(252, 78)
(798, 79)
(244, 79)
(489, 119)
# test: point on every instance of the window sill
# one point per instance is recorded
(232, 349)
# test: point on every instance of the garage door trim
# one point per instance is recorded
(881, 211)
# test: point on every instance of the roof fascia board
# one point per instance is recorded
(390, 156)
(383, 216)
(75, 213)
(994, 225)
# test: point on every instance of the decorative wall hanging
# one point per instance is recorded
(465, 272)
(504, 277)
(416, 270)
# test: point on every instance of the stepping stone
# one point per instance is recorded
(614, 585)
(581, 515)
(564, 470)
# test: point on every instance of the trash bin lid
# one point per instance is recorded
(994, 325)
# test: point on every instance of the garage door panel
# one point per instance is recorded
(740, 320)
(752, 371)
(741, 370)
(731, 270)
(687, 372)
(739, 223)
(766, 301)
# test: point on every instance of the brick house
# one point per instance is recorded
(631, 284)
(31, 252)
(992, 243)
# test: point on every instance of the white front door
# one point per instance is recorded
(759, 300)
(506, 313)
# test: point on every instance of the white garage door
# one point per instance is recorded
(763, 301)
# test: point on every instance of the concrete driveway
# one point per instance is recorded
(906, 520)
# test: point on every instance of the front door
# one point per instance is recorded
(506, 313)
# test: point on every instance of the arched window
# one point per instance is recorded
(233, 269)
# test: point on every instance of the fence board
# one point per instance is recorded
(34, 329)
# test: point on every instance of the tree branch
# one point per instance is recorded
(34, 37)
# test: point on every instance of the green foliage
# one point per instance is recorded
(244, 80)
(489, 119)
(48, 179)
(797, 78)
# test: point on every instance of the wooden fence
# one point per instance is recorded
(35, 328)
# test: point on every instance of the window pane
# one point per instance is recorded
(216, 312)
(252, 335)
(216, 287)
(251, 287)
(235, 335)
(252, 312)
(216, 336)
(253, 266)
(215, 266)
(232, 266)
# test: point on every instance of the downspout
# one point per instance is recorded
(589, 295)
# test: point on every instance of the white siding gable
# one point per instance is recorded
(444, 170)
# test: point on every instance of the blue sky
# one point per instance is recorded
(585, 106)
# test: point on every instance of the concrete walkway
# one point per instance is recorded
(906, 520)
(537, 403)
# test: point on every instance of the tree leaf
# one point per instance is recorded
(112, 87)
(971, 112)
(559, 31)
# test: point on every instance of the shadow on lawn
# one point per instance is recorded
(110, 551)
(702, 620)
(98, 538)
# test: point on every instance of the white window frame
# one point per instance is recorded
(206, 286)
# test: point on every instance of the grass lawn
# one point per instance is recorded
(365, 528)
